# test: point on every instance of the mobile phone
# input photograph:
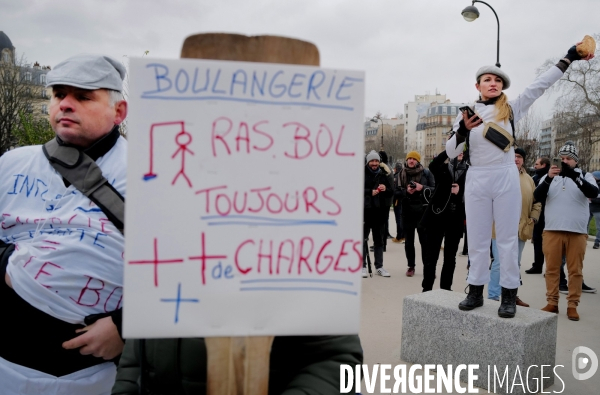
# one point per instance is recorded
(556, 162)
(412, 184)
(469, 111)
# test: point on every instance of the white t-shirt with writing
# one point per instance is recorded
(68, 258)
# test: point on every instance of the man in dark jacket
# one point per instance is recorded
(388, 200)
(377, 193)
(398, 207)
(298, 365)
(542, 165)
(414, 189)
(444, 219)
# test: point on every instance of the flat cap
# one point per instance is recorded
(88, 71)
(496, 71)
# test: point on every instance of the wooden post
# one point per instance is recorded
(240, 365)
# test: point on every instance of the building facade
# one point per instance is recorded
(31, 80)
(392, 138)
(413, 138)
(545, 146)
(435, 125)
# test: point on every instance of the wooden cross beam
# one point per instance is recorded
(240, 365)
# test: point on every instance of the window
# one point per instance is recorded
(44, 93)
(28, 108)
(444, 109)
(43, 79)
(28, 76)
(453, 110)
(28, 91)
(44, 109)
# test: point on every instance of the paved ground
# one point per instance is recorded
(381, 319)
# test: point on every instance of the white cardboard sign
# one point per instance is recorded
(244, 199)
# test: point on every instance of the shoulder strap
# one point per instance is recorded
(81, 171)
(511, 118)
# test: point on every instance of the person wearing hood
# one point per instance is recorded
(415, 186)
(377, 192)
(492, 188)
(444, 219)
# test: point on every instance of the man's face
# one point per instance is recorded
(538, 164)
(569, 161)
(80, 117)
(411, 162)
(374, 164)
(518, 161)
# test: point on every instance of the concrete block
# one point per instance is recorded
(435, 331)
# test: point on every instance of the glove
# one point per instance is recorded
(572, 174)
(572, 54)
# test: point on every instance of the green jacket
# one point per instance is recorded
(299, 365)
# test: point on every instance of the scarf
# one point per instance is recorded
(409, 174)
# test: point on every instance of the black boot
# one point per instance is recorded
(508, 305)
(473, 299)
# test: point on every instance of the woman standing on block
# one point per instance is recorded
(492, 192)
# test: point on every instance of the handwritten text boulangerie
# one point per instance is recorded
(244, 208)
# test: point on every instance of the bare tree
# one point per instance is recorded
(577, 111)
(16, 97)
(527, 135)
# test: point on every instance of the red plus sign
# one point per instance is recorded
(156, 262)
(203, 258)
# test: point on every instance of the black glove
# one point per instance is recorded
(568, 172)
(572, 54)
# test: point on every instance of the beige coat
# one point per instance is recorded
(529, 209)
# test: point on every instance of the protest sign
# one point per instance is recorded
(244, 199)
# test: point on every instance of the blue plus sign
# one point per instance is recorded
(178, 301)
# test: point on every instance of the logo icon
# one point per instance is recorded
(583, 358)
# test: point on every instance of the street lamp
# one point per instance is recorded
(375, 119)
(471, 13)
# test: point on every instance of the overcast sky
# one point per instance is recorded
(406, 47)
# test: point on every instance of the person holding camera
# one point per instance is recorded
(565, 190)
(492, 190)
(444, 219)
(415, 186)
(377, 192)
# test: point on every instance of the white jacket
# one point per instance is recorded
(481, 151)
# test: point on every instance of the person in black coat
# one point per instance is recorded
(377, 193)
(415, 186)
(444, 219)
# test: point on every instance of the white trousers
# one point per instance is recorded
(493, 195)
(20, 380)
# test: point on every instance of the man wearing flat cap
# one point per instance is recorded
(62, 259)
